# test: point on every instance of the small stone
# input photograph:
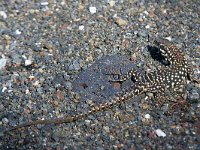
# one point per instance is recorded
(32, 11)
(87, 122)
(106, 128)
(112, 3)
(147, 26)
(93, 10)
(5, 120)
(160, 133)
(146, 12)
(80, 7)
(140, 19)
(36, 83)
(27, 91)
(60, 95)
(194, 95)
(28, 62)
(151, 14)
(18, 32)
(55, 103)
(169, 38)
(68, 85)
(90, 58)
(116, 85)
(2, 63)
(81, 27)
(31, 77)
(4, 89)
(121, 22)
(44, 3)
(3, 14)
(147, 116)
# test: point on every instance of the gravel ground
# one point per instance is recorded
(47, 47)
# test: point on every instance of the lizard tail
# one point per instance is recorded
(119, 98)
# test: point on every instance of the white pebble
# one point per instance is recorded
(146, 97)
(44, 3)
(10, 91)
(36, 83)
(146, 12)
(106, 128)
(3, 90)
(93, 10)
(147, 116)
(169, 38)
(18, 32)
(27, 91)
(2, 63)
(115, 16)
(147, 26)
(160, 133)
(3, 14)
(24, 56)
(31, 77)
(28, 62)
(81, 27)
(87, 122)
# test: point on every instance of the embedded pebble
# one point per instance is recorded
(44, 3)
(68, 85)
(87, 122)
(160, 133)
(4, 89)
(194, 95)
(28, 62)
(106, 128)
(5, 120)
(147, 116)
(169, 38)
(2, 63)
(93, 10)
(81, 27)
(111, 2)
(121, 22)
(18, 32)
(3, 14)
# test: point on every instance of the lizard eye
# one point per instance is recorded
(162, 47)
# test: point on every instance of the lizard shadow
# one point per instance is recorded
(157, 56)
(94, 83)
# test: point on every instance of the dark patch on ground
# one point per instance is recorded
(94, 83)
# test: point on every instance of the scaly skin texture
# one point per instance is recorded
(172, 78)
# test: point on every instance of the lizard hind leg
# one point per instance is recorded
(161, 94)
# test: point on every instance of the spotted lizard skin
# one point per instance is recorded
(169, 78)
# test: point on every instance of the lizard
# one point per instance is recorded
(171, 78)
(157, 82)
